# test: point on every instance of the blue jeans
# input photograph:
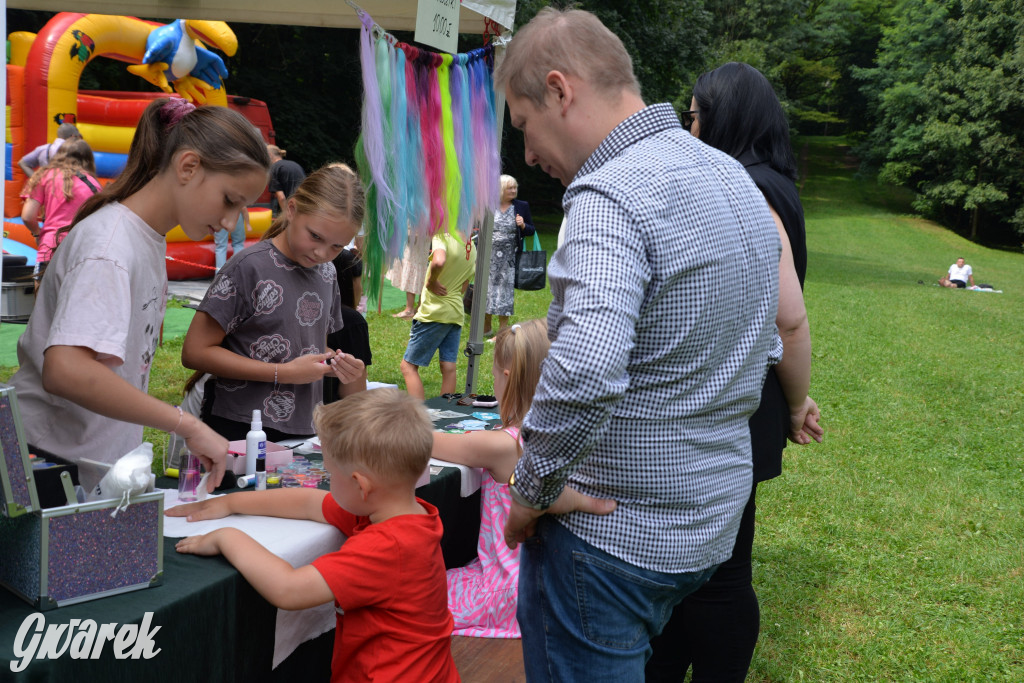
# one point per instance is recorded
(220, 242)
(587, 615)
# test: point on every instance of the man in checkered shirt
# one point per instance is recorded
(662, 329)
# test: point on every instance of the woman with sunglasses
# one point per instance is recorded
(715, 629)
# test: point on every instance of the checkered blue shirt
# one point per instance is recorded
(662, 326)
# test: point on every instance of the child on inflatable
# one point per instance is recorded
(482, 595)
(86, 353)
(261, 330)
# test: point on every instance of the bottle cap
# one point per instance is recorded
(257, 419)
(261, 464)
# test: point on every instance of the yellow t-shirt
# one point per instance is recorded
(457, 269)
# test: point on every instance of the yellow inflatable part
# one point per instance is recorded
(116, 139)
(21, 42)
(118, 35)
(259, 221)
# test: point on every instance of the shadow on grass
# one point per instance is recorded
(837, 269)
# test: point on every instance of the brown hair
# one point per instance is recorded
(333, 189)
(73, 157)
(520, 349)
(224, 140)
(571, 41)
(386, 430)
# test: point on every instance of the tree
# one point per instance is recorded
(948, 98)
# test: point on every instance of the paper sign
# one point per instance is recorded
(437, 24)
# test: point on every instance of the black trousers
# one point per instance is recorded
(713, 630)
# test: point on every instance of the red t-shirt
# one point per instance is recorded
(390, 589)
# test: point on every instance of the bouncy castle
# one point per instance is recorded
(43, 73)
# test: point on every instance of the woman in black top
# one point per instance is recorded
(715, 629)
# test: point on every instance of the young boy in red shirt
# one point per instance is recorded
(388, 579)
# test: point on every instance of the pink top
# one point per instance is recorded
(57, 210)
(482, 595)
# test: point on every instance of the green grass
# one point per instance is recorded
(893, 550)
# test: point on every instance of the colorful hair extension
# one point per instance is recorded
(416, 198)
(452, 176)
(488, 163)
(464, 136)
(373, 247)
(433, 145)
(400, 136)
(372, 135)
(387, 207)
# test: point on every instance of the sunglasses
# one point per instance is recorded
(688, 117)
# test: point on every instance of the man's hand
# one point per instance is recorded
(522, 521)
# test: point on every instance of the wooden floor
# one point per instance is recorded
(489, 660)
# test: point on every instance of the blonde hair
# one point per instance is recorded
(571, 41)
(520, 349)
(385, 430)
(276, 151)
(333, 189)
(507, 181)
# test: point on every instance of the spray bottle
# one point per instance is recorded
(255, 443)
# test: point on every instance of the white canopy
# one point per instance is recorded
(393, 15)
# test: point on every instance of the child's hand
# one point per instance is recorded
(210, 447)
(347, 368)
(205, 544)
(305, 369)
(211, 508)
(437, 288)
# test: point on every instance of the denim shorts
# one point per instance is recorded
(425, 338)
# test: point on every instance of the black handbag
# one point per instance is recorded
(531, 267)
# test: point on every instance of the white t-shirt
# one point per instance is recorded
(105, 289)
(958, 273)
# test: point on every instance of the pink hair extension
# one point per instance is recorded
(433, 146)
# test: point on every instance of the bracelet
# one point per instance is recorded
(181, 415)
(275, 374)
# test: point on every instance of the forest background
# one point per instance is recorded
(930, 92)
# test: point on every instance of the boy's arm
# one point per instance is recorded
(297, 503)
(438, 258)
(282, 585)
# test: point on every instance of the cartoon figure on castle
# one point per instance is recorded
(175, 58)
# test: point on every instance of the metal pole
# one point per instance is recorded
(475, 345)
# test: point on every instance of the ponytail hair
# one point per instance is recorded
(520, 349)
(224, 140)
(333, 189)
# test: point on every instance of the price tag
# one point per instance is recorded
(437, 24)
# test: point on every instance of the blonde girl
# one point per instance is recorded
(482, 595)
(86, 353)
(261, 331)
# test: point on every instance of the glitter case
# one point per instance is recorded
(17, 489)
(62, 555)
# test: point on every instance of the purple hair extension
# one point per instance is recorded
(373, 117)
